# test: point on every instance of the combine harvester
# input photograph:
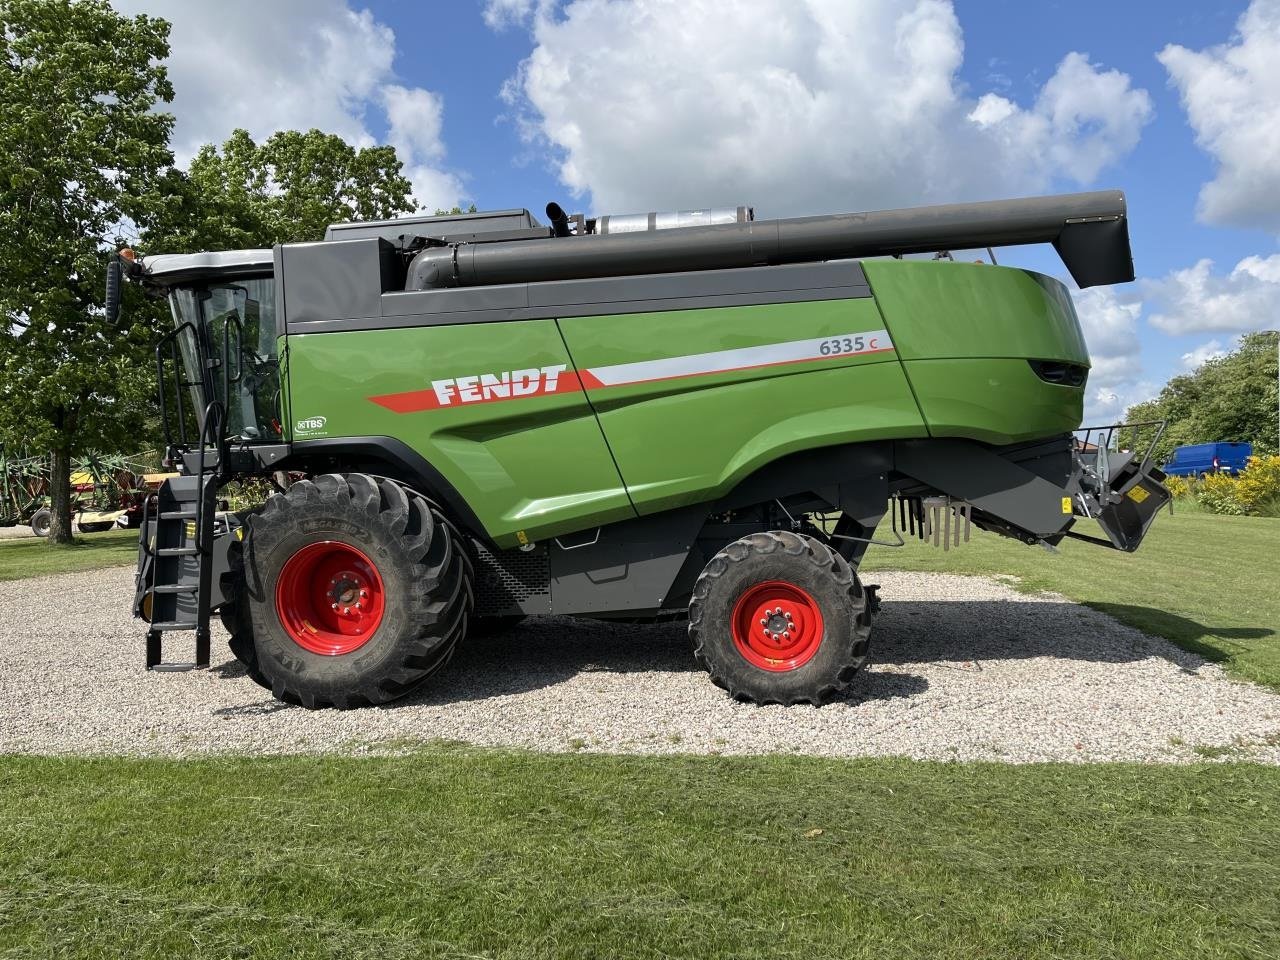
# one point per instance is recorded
(611, 419)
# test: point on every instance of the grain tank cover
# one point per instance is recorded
(458, 227)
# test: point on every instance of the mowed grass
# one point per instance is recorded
(1209, 583)
(454, 852)
(32, 557)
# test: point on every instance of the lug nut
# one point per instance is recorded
(346, 609)
(363, 594)
(787, 615)
(763, 621)
(777, 609)
(786, 635)
(335, 606)
(357, 604)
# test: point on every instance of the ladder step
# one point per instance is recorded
(177, 552)
(174, 625)
(177, 514)
(176, 588)
(175, 667)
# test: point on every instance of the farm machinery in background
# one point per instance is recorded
(107, 490)
(630, 418)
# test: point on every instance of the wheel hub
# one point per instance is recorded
(777, 626)
(330, 598)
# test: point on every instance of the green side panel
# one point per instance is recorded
(996, 401)
(691, 438)
(943, 309)
(965, 332)
(534, 466)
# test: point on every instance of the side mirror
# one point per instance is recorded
(113, 290)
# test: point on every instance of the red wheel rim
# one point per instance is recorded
(330, 598)
(777, 626)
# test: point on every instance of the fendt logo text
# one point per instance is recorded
(498, 386)
(308, 424)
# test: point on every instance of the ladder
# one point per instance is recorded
(175, 569)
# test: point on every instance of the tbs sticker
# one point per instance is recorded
(309, 425)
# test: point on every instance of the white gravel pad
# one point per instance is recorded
(962, 668)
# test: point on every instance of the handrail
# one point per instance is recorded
(212, 415)
(170, 340)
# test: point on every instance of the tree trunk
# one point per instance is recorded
(60, 494)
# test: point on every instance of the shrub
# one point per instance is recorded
(1258, 488)
(1256, 492)
(1217, 493)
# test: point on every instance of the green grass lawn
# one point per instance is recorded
(1209, 583)
(35, 558)
(462, 853)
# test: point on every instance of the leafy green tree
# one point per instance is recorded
(246, 195)
(1231, 398)
(82, 145)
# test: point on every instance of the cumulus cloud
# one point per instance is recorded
(1110, 326)
(797, 106)
(1196, 300)
(296, 64)
(1202, 354)
(1231, 93)
(1110, 320)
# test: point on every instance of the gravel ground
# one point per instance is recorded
(962, 668)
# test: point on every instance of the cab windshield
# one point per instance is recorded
(236, 324)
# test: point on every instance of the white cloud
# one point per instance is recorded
(295, 65)
(500, 14)
(1231, 93)
(797, 106)
(1106, 405)
(1109, 320)
(1196, 358)
(1195, 300)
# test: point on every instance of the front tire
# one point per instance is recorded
(354, 591)
(780, 618)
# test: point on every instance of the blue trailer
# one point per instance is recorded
(1201, 459)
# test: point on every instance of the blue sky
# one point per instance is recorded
(800, 106)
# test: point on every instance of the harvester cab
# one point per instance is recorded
(471, 419)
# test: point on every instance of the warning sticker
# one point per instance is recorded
(1066, 506)
(1137, 494)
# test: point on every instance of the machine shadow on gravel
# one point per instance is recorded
(916, 631)
(1186, 631)
(545, 651)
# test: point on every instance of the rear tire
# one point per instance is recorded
(816, 628)
(359, 542)
(42, 522)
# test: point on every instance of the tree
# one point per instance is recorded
(247, 195)
(82, 145)
(1231, 398)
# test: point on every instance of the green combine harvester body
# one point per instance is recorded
(635, 422)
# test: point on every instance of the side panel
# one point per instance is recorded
(495, 408)
(965, 333)
(692, 401)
